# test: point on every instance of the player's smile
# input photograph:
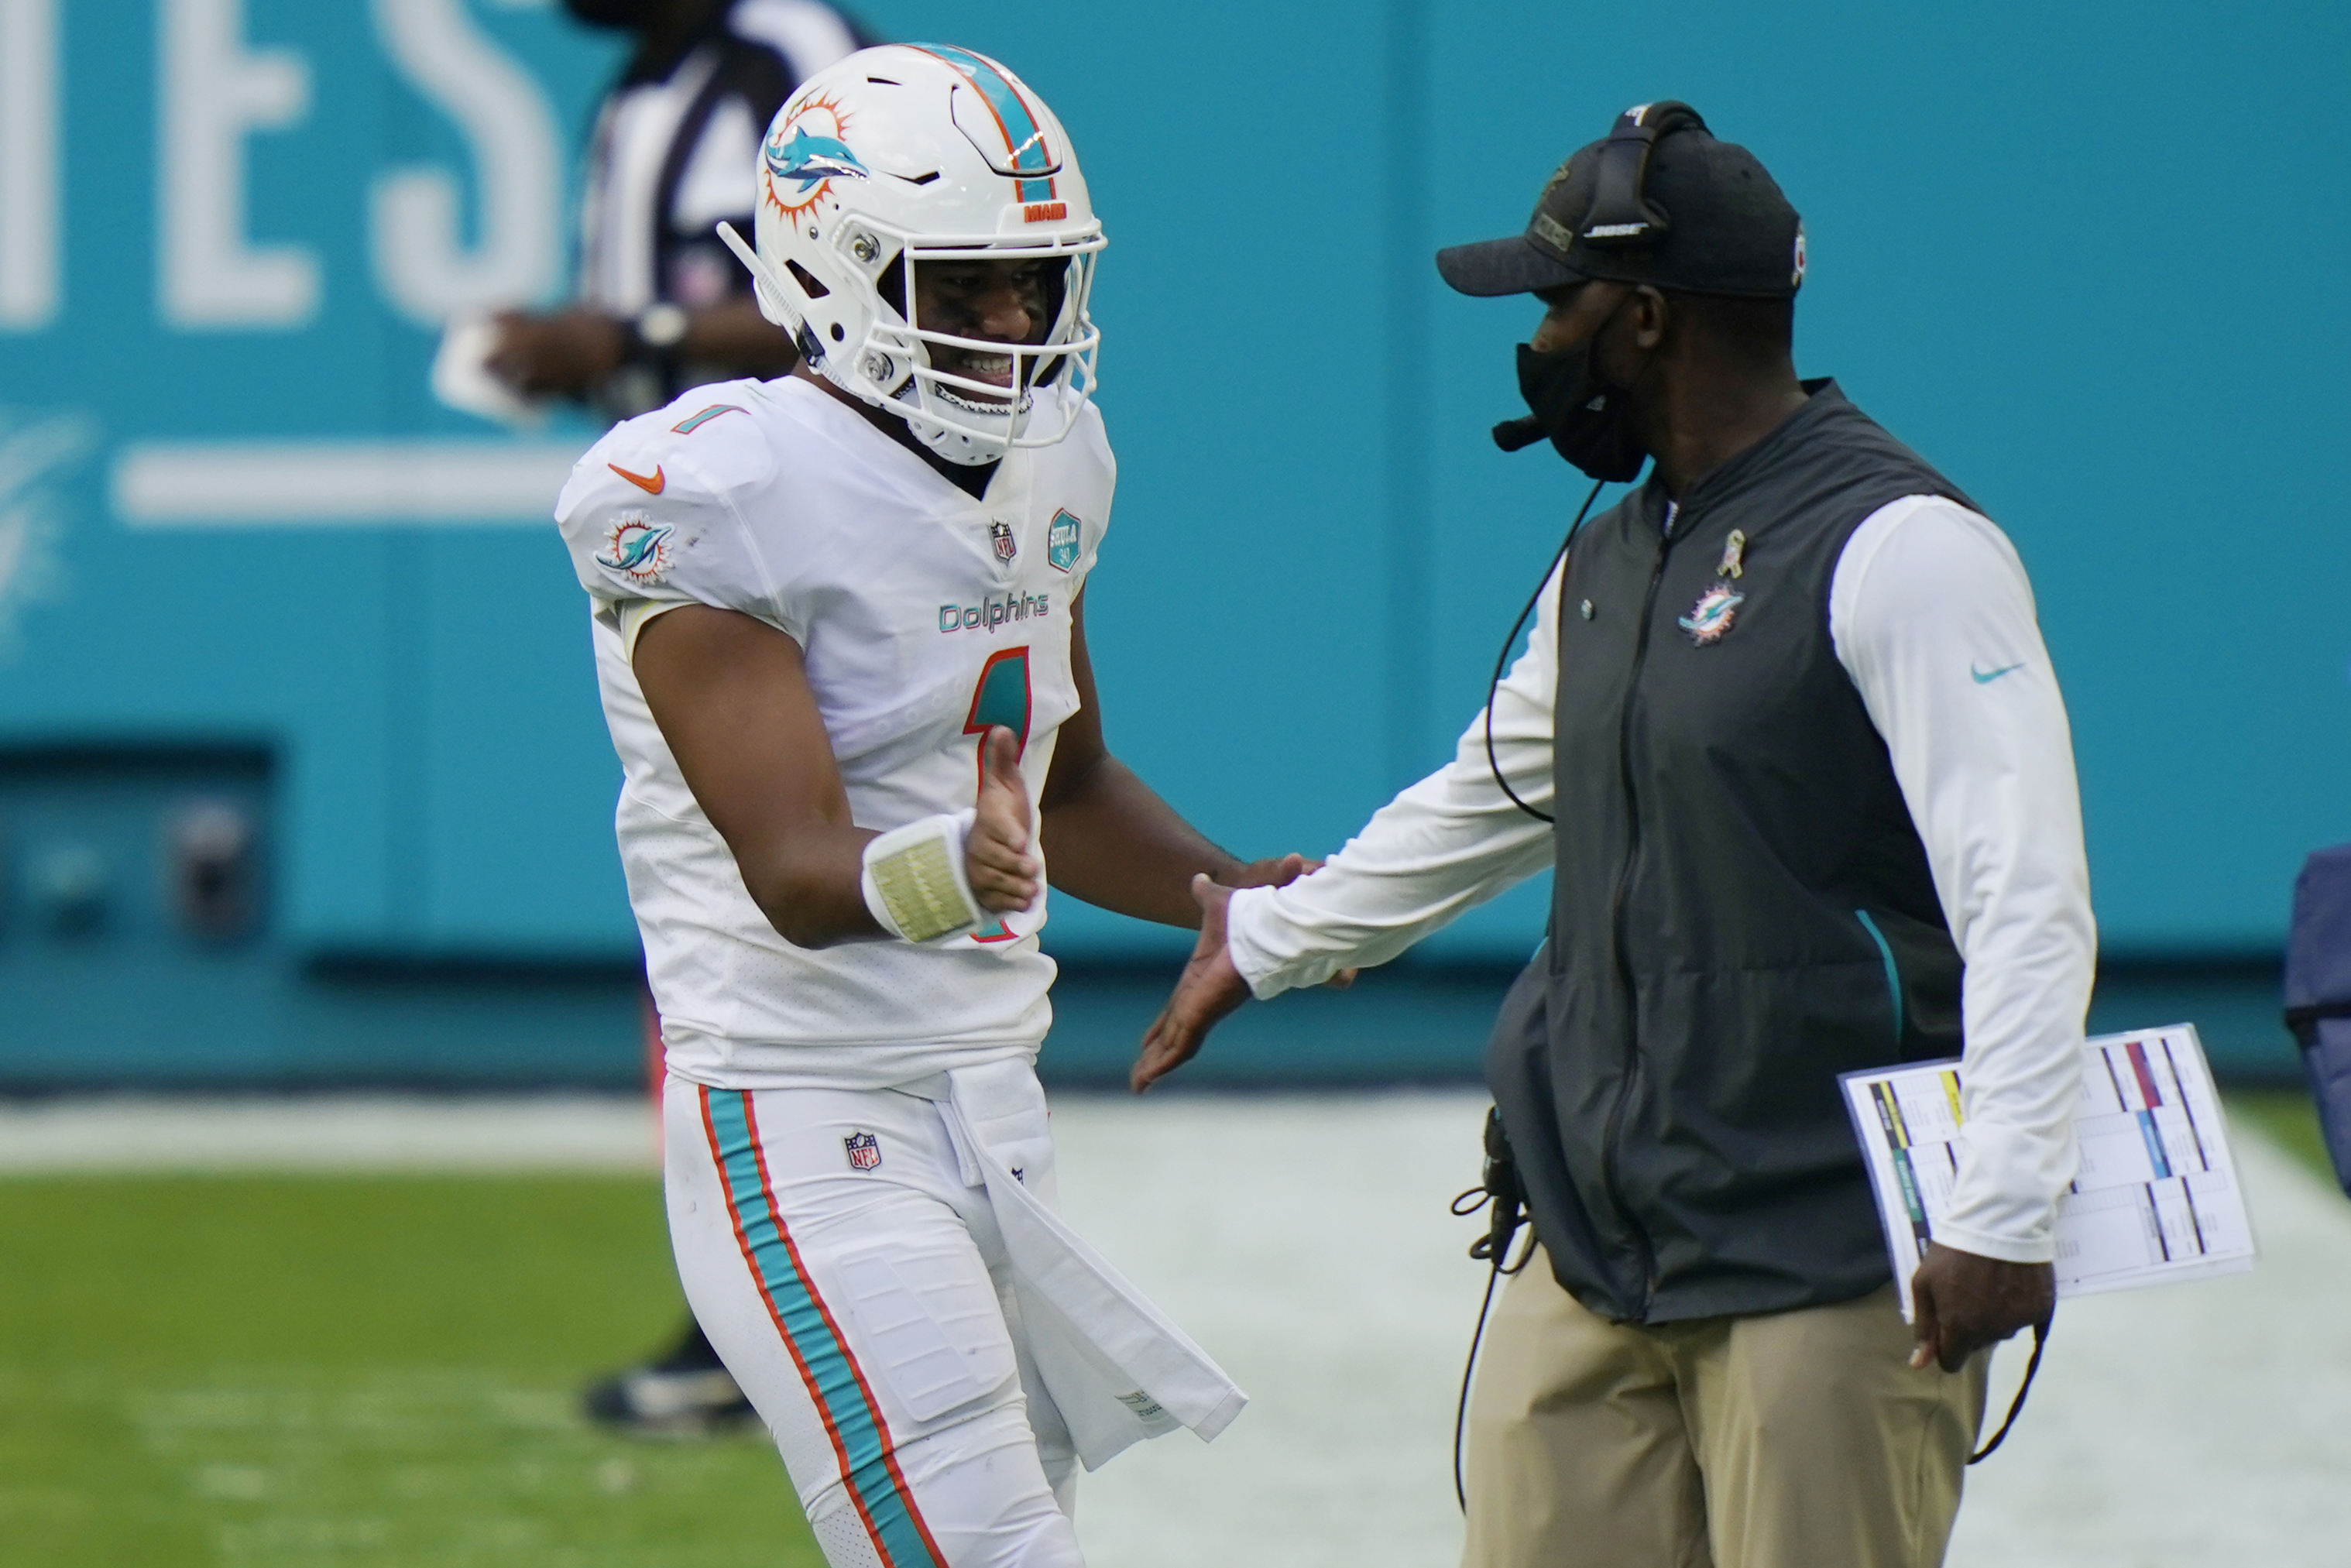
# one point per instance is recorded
(996, 368)
(994, 301)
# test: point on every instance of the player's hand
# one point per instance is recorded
(1209, 989)
(1964, 1302)
(561, 353)
(1278, 872)
(1003, 873)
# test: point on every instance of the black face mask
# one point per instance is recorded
(1589, 421)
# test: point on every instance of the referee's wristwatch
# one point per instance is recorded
(656, 332)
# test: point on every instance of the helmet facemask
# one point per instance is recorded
(890, 181)
(960, 416)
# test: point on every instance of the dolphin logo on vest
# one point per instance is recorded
(1709, 619)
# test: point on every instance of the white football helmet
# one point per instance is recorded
(920, 152)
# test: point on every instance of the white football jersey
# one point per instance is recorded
(925, 617)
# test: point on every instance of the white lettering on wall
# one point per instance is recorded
(30, 229)
(426, 269)
(214, 94)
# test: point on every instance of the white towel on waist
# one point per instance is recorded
(1118, 1369)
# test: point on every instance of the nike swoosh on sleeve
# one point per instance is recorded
(653, 486)
(1983, 677)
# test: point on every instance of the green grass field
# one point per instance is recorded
(371, 1372)
(377, 1372)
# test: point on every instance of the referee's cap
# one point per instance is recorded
(1659, 201)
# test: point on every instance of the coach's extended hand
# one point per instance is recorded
(1965, 1301)
(1209, 989)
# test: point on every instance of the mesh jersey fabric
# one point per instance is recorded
(924, 616)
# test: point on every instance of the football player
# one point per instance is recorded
(840, 631)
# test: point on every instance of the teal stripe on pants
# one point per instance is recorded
(838, 1387)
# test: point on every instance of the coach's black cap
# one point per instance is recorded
(1658, 200)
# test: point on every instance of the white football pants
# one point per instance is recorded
(859, 1292)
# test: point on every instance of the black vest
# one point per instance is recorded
(1742, 908)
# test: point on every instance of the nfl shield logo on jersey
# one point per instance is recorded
(865, 1151)
(1061, 542)
(999, 534)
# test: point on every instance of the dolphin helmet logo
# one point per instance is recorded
(805, 154)
(813, 159)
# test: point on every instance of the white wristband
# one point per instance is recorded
(915, 883)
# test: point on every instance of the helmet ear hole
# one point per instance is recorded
(809, 283)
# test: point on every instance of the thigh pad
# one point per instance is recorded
(929, 1327)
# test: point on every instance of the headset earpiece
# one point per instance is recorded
(1620, 217)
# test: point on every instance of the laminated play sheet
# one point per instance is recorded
(2156, 1199)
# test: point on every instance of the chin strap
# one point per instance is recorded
(2016, 1406)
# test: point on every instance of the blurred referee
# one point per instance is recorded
(663, 307)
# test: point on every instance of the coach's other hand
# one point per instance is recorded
(997, 860)
(1965, 1301)
(1209, 989)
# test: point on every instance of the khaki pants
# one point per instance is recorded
(1798, 1439)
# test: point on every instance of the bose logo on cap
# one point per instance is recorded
(1612, 230)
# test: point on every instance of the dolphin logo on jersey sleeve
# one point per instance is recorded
(637, 548)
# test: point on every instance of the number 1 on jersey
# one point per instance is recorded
(1001, 697)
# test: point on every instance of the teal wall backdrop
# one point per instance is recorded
(2083, 257)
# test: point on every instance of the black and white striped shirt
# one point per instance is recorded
(676, 152)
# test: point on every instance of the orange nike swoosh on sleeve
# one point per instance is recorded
(650, 485)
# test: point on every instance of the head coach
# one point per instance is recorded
(1815, 811)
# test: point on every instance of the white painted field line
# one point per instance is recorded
(1305, 1243)
(2195, 1426)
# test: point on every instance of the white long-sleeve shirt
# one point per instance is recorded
(1932, 616)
